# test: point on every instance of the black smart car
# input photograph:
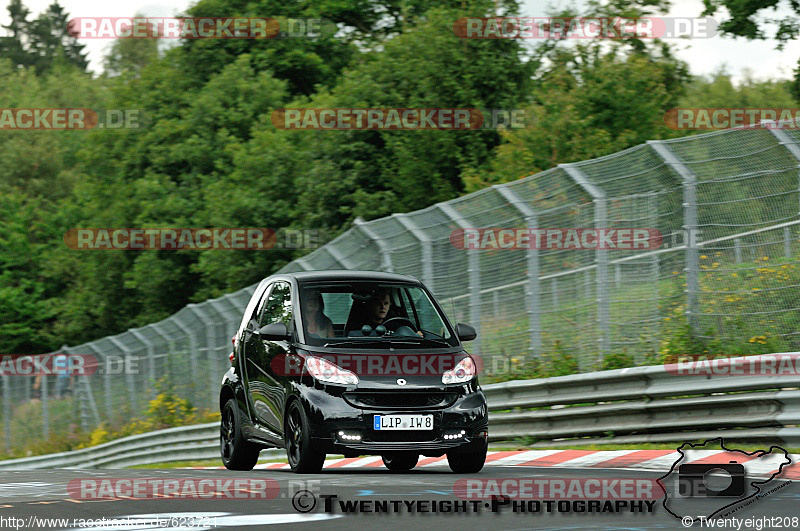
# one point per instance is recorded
(353, 363)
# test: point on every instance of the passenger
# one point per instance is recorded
(317, 323)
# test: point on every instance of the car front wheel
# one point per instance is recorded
(400, 461)
(466, 462)
(237, 453)
(305, 456)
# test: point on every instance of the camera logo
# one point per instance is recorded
(708, 479)
(717, 479)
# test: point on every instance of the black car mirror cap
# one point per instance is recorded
(465, 332)
(274, 332)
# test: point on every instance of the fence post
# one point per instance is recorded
(193, 348)
(601, 255)
(83, 401)
(7, 411)
(106, 379)
(151, 360)
(167, 342)
(473, 272)
(128, 375)
(554, 292)
(303, 263)
(386, 254)
(787, 242)
(210, 351)
(533, 293)
(791, 146)
(45, 407)
(426, 247)
(690, 227)
(737, 250)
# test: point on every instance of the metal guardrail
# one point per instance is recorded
(623, 406)
(647, 405)
(189, 443)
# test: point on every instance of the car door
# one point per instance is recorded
(266, 389)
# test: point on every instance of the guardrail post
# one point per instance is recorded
(533, 291)
(690, 223)
(210, 351)
(473, 271)
(601, 255)
(386, 254)
(426, 248)
(126, 364)
(151, 360)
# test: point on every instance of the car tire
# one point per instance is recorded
(466, 462)
(400, 461)
(305, 456)
(237, 453)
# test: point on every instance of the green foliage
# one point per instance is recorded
(207, 154)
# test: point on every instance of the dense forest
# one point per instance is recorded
(206, 153)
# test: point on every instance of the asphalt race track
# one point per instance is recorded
(43, 493)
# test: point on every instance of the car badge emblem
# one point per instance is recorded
(400, 381)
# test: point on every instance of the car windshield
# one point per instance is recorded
(365, 313)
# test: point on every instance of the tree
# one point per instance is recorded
(42, 42)
(130, 56)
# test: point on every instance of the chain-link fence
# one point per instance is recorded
(726, 203)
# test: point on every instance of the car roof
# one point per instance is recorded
(350, 275)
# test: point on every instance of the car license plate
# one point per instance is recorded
(403, 422)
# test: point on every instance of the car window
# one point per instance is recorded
(337, 307)
(253, 308)
(353, 308)
(277, 307)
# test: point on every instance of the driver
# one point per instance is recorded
(377, 308)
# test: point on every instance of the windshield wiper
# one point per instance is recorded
(402, 340)
(432, 340)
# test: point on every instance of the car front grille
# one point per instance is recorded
(381, 436)
(397, 401)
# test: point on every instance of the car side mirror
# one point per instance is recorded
(274, 332)
(465, 332)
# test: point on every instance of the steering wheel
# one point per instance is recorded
(397, 323)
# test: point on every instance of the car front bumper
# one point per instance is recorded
(332, 415)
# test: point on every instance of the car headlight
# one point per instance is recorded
(325, 371)
(463, 372)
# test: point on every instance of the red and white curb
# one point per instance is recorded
(656, 460)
